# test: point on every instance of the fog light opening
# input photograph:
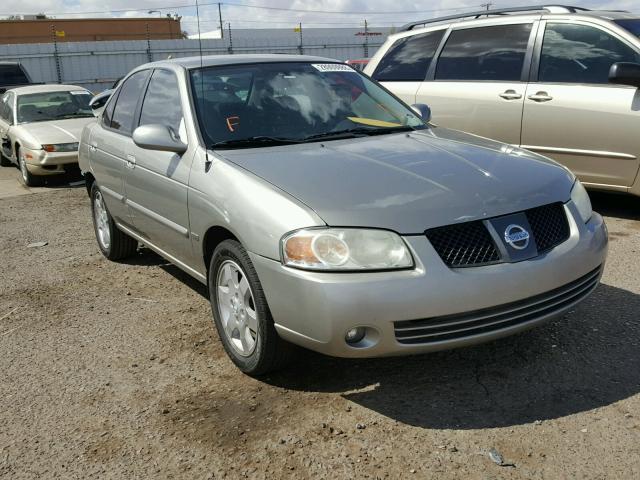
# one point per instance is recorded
(355, 335)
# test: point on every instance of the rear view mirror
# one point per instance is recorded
(423, 111)
(158, 137)
(625, 73)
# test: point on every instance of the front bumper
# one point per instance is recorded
(315, 310)
(40, 162)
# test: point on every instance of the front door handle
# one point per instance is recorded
(540, 97)
(510, 95)
(130, 162)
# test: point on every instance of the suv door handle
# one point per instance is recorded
(92, 147)
(540, 97)
(130, 162)
(510, 95)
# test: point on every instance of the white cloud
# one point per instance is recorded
(241, 17)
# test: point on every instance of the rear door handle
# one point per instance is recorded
(540, 97)
(130, 162)
(510, 95)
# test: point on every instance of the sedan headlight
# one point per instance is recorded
(61, 147)
(345, 249)
(580, 198)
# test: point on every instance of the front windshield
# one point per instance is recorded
(630, 24)
(295, 101)
(46, 106)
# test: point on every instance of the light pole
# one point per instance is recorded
(155, 11)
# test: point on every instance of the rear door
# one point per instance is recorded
(479, 80)
(573, 114)
(109, 143)
(155, 181)
(404, 66)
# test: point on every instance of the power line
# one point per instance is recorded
(247, 5)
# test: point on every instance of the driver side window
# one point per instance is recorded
(162, 104)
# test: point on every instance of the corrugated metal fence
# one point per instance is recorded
(96, 65)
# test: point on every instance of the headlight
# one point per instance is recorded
(580, 198)
(345, 249)
(61, 147)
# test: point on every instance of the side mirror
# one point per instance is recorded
(98, 102)
(422, 110)
(158, 137)
(625, 73)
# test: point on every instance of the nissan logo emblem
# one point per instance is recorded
(516, 236)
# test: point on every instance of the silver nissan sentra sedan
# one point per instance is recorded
(321, 211)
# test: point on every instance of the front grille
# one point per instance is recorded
(469, 244)
(464, 244)
(467, 324)
(549, 225)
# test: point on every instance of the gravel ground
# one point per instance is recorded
(113, 370)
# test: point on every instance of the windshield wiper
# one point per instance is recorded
(260, 140)
(355, 133)
(74, 115)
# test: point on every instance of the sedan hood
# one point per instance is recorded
(57, 131)
(409, 182)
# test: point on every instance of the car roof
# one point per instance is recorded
(46, 88)
(242, 59)
(514, 13)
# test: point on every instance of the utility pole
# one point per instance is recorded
(488, 5)
(220, 20)
(366, 39)
(300, 48)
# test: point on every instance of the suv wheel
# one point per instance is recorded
(241, 313)
(114, 244)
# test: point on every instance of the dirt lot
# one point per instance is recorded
(114, 371)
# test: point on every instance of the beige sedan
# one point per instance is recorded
(40, 126)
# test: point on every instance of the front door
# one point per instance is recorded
(478, 82)
(6, 121)
(155, 181)
(109, 143)
(574, 115)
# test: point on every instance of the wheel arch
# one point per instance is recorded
(89, 180)
(215, 235)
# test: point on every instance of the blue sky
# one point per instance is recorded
(241, 16)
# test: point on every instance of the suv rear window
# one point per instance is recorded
(409, 58)
(12, 75)
(485, 53)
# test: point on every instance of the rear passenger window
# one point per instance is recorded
(487, 53)
(162, 101)
(580, 54)
(127, 102)
(409, 58)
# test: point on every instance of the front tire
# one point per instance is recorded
(114, 244)
(4, 161)
(27, 177)
(241, 313)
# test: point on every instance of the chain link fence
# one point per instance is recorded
(96, 65)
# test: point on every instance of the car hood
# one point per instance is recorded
(409, 182)
(57, 131)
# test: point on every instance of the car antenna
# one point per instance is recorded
(207, 162)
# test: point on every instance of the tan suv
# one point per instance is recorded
(561, 81)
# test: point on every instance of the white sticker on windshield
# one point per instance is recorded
(79, 92)
(332, 67)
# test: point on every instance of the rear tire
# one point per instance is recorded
(241, 313)
(113, 243)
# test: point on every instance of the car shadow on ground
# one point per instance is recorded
(588, 359)
(616, 205)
